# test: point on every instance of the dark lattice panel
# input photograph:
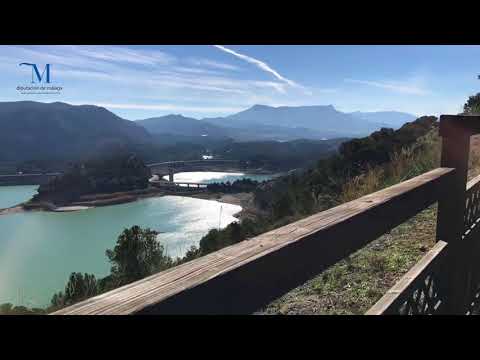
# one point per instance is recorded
(472, 211)
(472, 237)
(474, 305)
(474, 277)
(425, 299)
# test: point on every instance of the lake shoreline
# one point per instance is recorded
(245, 200)
(85, 202)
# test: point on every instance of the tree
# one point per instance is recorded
(211, 242)
(191, 254)
(79, 287)
(6, 308)
(472, 106)
(136, 255)
(58, 300)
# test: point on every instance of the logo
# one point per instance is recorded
(43, 79)
(37, 73)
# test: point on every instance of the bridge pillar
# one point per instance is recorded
(170, 175)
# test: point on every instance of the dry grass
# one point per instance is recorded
(405, 164)
(362, 185)
(354, 284)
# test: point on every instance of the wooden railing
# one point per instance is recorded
(244, 277)
(447, 279)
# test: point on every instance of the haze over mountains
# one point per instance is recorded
(393, 119)
(261, 122)
(181, 125)
(33, 130)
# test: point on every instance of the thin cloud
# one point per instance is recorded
(164, 107)
(403, 88)
(117, 54)
(136, 74)
(213, 64)
(260, 64)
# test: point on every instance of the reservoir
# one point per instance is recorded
(39, 250)
(13, 195)
(215, 177)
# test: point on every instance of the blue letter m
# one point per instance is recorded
(37, 73)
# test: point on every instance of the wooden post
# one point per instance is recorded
(451, 212)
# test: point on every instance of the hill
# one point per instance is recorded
(183, 126)
(280, 155)
(105, 175)
(34, 131)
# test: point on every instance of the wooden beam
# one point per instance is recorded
(455, 132)
(246, 276)
(466, 124)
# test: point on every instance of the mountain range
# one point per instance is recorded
(33, 130)
(261, 122)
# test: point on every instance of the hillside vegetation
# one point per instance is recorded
(105, 175)
(354, 284)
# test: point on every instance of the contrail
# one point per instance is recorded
(259, 64)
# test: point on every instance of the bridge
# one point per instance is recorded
(172, 167)
(160, 169)
(177, 185)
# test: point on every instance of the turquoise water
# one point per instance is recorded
(13, 195)
(212, 177)
(39, 250)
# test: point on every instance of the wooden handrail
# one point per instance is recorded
(457, 225)
(246, 276)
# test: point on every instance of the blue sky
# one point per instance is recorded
(138, 82)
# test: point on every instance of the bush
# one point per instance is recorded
(137, 254)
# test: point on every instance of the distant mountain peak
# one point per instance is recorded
(260, 107)
(264, 107)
